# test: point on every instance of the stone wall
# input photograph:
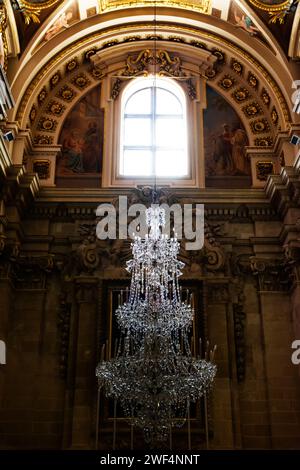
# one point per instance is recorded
(54, 319)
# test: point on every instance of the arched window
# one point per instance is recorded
(153, 129)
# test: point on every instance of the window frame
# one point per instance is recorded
(152, 84)
(112, 135)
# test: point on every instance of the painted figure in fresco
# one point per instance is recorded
(58, 25)
(72, 151)
(223, 150)
(225, 142)
(78, 116)
(239, 157)
(229, 152)
(81, 138)
(245, 23)
(91, 142)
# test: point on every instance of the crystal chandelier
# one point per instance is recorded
(154, 375)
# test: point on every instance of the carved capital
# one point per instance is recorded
(273, 274)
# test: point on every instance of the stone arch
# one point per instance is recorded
(226, 57)
(197, 26)
(252, 99)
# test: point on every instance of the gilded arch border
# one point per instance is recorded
(235, 71)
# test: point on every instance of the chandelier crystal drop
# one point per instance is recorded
(153, 374)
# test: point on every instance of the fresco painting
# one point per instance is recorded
(225, 139)
(82, 138)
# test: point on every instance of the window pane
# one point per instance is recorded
(170, 133)
(139, 102)
(161, 110)
(137, 132)
(137, 163)
(171, 163)
(167, 103)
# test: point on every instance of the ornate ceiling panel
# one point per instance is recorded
(249, 87)
(256, 17)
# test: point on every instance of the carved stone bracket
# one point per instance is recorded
(147, 62)
(153, 62)
(284, 189)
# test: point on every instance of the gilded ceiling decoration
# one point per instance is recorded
(3, 40)
(37, 13)
(202, 6)
(243, 81)
(148, 61)
(56, 98)
(31, 9)
(252, 109)
(277, 9)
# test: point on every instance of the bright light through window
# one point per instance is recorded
(153, 129)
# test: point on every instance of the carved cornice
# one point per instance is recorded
(17, 189)
(284, 190)
(5, 160)
(20, 188)
(228, 197)
(202, 6)
(262, 76)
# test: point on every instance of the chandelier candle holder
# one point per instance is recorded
(154, 374)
